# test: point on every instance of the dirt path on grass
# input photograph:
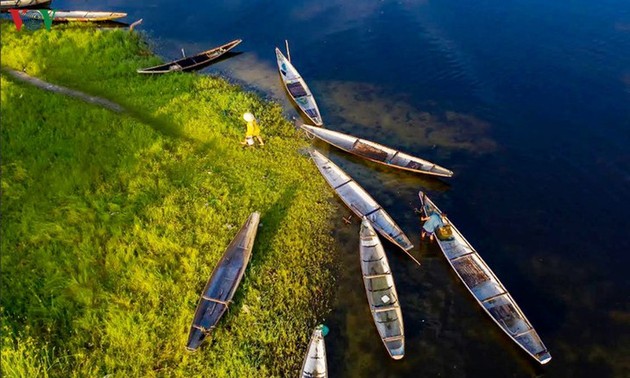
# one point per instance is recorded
(21, 76)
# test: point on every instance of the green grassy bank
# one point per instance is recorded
(111, 224)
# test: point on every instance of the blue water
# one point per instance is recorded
(527, 101)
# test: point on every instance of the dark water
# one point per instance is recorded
(527, 101)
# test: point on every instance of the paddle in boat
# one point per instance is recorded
(223, 282)
(315, 365)
(360, 202)
(381, 291)
(76, 16)
(377, 152)
(297, 88)
(481, 282)
(192, 62)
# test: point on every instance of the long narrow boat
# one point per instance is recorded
(381, 292)
(76, 16)
(191, 62)
(315, 365)
(377, 152)
(22, 4)
(297, 89)
(489, 292)
(223, 282)
(360, 202)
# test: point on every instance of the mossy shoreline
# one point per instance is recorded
(112, 223)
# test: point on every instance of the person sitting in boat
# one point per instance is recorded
(431, 223)
(253, 130)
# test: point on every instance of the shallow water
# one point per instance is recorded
(528, 102)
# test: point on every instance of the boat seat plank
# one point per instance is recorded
(385, 309)
(493, 297)
(296, 89)
(378, 275)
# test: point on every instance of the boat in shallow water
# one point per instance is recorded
(297, 89)
(76, 16)
(315, 364)
(360, 202)
(192, 62)
(381, 291)
(377, 152)
(223, 282)
(488, 291)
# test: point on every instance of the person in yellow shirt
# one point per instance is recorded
(253, 130)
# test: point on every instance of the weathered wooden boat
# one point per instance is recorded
(381, 291)
(223, 282)
(360, 202)
(76, 16)
(489, 292)
(192, 62)
(377, 152)
(315, 365)
(23, 4)
(297, 89)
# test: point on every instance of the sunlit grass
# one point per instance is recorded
(111, 224)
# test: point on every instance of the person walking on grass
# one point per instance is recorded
(253, 130)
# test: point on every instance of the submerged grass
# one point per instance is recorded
(111, 224)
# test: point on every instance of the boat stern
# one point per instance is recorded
(195, 338)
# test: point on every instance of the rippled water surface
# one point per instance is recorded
(528, 102)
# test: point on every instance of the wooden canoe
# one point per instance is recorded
(192, 62)
(359, 201)
(377, 152)
(76, 16)
(297, 89)
(488, 291)
(21, 4)
(381, 292)
(223, 282)
(315, 365)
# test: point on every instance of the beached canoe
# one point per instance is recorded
(381, 291)
(377, 152)
(359, 201)
(223, 282)
(20, 4)
(297, 89)
(192, 62)
(76, 16)
(489, 292)
(315, 365)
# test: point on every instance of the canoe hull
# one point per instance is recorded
(223, 282)
(315, 364)
(76, 16)
(377, 153)
(297, 89)
(191, 63)
(487, 290)
(5, 5)
(359, 201)
(381, 292)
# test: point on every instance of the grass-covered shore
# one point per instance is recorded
(112, 223)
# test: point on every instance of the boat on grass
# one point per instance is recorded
(360, 202)
(192, 62)
(226, 276)
(75, 16)
(315, 365)
(297, 89)
(377, 152)
(381, 292)
(488, 291)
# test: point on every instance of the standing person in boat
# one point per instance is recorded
(431, 223)
(253, 130)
